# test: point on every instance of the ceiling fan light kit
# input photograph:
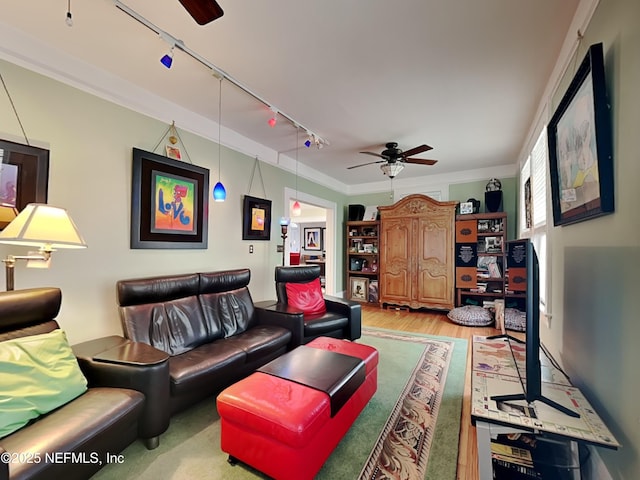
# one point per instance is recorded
(391, 169)
(393, 158)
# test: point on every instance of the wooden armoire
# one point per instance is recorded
(417, 267)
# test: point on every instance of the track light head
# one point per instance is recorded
(167, 60)
(274, 117)
(307, 143)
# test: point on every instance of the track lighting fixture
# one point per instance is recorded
(69, 19)
(296, 208)
(219, 73)
(167, 60)
(273, 120)
(219, 192)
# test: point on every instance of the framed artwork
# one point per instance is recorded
(256, 218)
(370, 213)
(313, 238)
(173, 152)
(580, 152)
(24, 178)
(359, 289)
(169, 203)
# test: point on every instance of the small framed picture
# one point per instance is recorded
(466, 207)
(359, 289)
(370, 213)
(173, 152)
(312, 239)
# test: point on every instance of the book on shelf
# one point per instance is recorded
(512, 462)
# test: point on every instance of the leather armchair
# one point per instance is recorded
(342, 319)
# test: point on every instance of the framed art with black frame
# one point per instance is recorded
(580, 150)
(256, 218)
(169, 203)
(312, 239)
(24, 178)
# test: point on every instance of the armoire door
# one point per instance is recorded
(396, 256)
(435, 285)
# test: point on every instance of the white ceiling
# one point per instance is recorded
(464, 76)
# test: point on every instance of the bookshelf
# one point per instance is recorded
(363, 261)
(480, 258)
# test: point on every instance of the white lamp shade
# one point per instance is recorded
(391, 169)
(43, 226)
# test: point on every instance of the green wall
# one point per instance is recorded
(595, 265)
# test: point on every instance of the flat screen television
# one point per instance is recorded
(523, 251)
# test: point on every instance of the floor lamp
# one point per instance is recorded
(284, 226)
(43, 226)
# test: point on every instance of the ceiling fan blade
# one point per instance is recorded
(374, 154)
(417, 150)
(420, 161)
(203, 11)
(363, 164)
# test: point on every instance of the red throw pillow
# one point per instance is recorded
(306, 297)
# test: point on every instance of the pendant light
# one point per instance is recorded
(219, 192)
(296, 209)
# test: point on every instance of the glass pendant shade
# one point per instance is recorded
(167, 60)
(296, 209)
(219, 192)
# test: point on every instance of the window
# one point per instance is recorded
(533, 208)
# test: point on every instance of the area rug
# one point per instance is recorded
(409, 430)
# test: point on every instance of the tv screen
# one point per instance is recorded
(521, 253)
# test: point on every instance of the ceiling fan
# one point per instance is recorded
(203, 11)
(394, 158)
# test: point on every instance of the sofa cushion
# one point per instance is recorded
(261, 342)
(306, 297)
(227, 313)
(174, 327)
(215, 362)
(40, 373)
(102, 419)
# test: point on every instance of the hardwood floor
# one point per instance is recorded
(433, 323)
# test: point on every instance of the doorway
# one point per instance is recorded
(318, 212)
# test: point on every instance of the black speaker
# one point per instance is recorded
(356, 213)
(493, 201)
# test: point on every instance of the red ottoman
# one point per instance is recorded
(285, 429)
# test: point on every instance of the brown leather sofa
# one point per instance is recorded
(208, 324)
(110, 415)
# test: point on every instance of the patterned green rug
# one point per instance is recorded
(409, 429)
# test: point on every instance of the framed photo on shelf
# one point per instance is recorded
(256, 218)
(580, 150)
(359, 289)
(370, 213)
(313, 238)
(169, 203)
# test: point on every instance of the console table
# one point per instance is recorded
(494, 372)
